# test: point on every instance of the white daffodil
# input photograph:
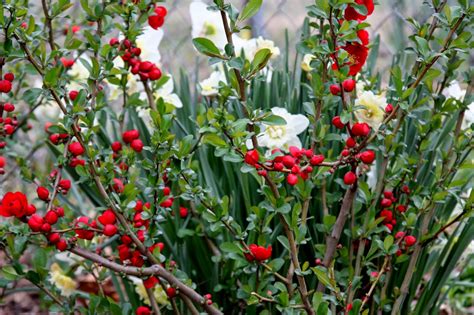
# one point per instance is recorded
(207, 24)
(210, 86)
(373, 111)
(65, 284)
(158, 292)
(283, 136)
(166, 93)
(306, 62)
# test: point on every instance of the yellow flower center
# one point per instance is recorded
(209, 29)
(276, 132)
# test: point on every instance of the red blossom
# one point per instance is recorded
(14, 204)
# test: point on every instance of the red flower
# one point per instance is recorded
(156, 21)
(251, 157)
(130, 135)
(110, 230)
(108, 217)
(352, 14)
(410, 240)
(361, 129)
(5, 86)
(35, 223)
(150, 282)
(14, 204)
(367, 156)
(67, 63)
(316, 159)
(258, 253)
(83, 233)
(357, 56)
(137, 145)
(43, 193)
(143, 310)
(336, 121)
(363, 36)
(75, 148)
(350, 178)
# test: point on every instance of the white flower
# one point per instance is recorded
(454, 91)
(253, 45)
(166, 93)
(248, 46)
(65, 284)
(148, 42)
(468, 117)
(283, 136)
(209, 86)
(306, 62)
(372, 177)
(207, 24)
(373, 113)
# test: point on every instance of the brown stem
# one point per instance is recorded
(240, 81)
(294, 258)
(154, 304)
(333, 239)
(48, 22)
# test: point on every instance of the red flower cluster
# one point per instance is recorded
(130, 137)
(8, 125)
(130, 54)
(298, 164)
(6, 83)
(158, 19)
(258, 253)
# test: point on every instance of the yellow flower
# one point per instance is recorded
(373, 111)
(65, 284)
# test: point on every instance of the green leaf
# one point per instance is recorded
(388, 242)
(260, 60)
(250, 9)
(274, 120)
(207, 47)
(322, 275)
(214, 140)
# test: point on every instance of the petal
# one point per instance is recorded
(298, 123)
(174, 100)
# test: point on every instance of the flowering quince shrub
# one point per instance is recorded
(329, 188)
